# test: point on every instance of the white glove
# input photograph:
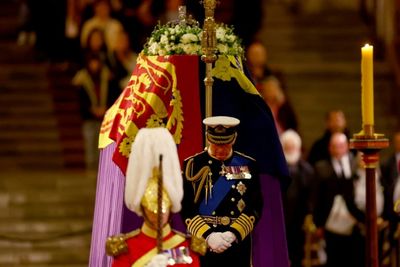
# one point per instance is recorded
(159, 260)
(229, 236)
(217, 243)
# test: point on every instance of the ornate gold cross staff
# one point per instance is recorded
(208, 47)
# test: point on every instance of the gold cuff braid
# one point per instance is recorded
(199, 245)
(197, 226)
(244, 225)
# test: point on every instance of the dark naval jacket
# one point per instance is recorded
(222, 196)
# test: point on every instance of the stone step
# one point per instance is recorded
(25, 70)
(9, 28)
(23, 86)
(49, 211)
(14, 54)
(11, 99)
(44, 257)
(344, 68)
(79, 240)
(310, 40)
(48, 265)
(45, 197)
(43, 228)
(47, 180)
(31, 162)
(11, 134)
(43, 108)
(35, 122)
(25, 146)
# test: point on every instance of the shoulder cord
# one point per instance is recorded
(201, 175)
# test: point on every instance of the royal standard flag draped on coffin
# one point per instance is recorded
(169, 91)
(154, 97)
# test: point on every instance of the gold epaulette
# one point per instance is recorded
(198, 245)
(244, 155)
(192, 156)
(116, 245)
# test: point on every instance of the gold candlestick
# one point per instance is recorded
(369, 143)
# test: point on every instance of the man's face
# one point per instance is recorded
(338, 146)
(257, 55)
(336, 122)
(220, 151)
(292, 152)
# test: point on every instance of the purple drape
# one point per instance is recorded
(269, 240)
(108, 207)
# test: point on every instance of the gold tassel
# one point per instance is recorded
(210, 185)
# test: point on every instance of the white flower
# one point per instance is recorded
(231, 38)
(164, 39)
(223, 49)
(153, 48)
(220, 33)
(190, 49)
(189, 38)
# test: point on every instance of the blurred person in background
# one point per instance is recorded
(27, 33)
(256, 58)
(296, 200)
(122, 60)
(391, 182)
(257, 63)
(102, 20)
(335, 122)
(335, 211)
(139, 19)
(97, 91)
(282, 110)
(171, 12)
(95, 45)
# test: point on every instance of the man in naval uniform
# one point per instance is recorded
(139, 248)
(222, 196)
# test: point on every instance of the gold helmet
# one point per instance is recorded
(150, 197)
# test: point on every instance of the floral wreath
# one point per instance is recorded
(185, 39)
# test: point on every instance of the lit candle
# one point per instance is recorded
(367, 85)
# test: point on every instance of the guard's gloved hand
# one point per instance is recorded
(159, 260)
(217, 243)
(229, 236)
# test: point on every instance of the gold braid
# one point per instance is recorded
(200, 175)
